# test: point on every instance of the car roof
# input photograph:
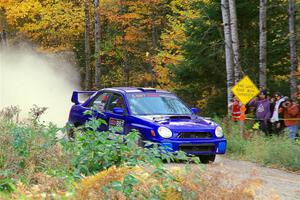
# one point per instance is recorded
(125, 90)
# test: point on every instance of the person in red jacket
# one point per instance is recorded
(290, 110)
(235, 108)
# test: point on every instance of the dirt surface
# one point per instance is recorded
(275, 184)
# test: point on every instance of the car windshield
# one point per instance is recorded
(156, 104)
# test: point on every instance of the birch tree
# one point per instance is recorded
(97, 45)
(293, 53)
(234, 39)
(87, 48)
(228, 48)
(262, 44)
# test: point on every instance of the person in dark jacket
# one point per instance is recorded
(263, 113)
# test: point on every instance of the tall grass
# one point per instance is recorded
(253, 145)
(31, 154)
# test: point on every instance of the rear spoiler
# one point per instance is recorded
(75, 95)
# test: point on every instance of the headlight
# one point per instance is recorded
(219, 132)
(164, 132)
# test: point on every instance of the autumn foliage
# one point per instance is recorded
(176, 45)
(192, 184)
(51, 24)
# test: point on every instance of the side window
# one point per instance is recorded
(116, 101)
(100, 102)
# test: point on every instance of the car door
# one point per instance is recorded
(98, 107)
(116, 122)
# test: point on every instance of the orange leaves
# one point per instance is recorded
(49, 23)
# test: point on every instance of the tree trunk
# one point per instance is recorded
(3, 34)
(97, 45)
(125, 53)
(154, 52)
(125, 60)
(235, 40)
(87, 48)
(293, 53)
(3, 39)
(263, 44)
(228, 49)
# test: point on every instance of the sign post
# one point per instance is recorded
(244, 90)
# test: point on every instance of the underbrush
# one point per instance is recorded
(276, 151)
(35, 164)
(31, 155)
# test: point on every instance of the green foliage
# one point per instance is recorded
(26, 150)
(236, 145)
(277, 151)
(7, 184)
(125, 186)
(203, 52)
(201, 76)
(95, 151)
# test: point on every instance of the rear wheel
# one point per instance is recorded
(70, 133)
(207, 158)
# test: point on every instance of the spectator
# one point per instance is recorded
(235, 109)
(275, 119)
(263, 113)
(290, 110)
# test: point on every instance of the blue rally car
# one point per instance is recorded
(159, 116)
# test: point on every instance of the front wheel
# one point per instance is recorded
(207, 158)
(140, 142)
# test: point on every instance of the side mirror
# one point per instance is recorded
(118, 111)
(195, 111)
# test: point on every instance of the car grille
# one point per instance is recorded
(195, 135)
(203, 148)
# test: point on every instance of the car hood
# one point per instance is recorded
(181, 123)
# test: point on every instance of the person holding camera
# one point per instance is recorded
(278, 125)
(290, 110)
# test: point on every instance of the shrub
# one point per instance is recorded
(276, 151)
(95, 151)
(27, 150)
(34, 164)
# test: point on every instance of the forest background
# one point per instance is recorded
(178, 45)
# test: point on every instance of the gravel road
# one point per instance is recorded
(275, 184)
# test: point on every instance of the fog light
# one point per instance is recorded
(221, 148)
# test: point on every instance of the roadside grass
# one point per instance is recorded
(274, 151)
(34, 164)
(30, 155)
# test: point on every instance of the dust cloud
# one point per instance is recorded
(28, 77)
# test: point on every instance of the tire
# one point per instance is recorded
(140, 142)
(205, 159)
(71, 128)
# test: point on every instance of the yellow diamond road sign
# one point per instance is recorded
(245, 90)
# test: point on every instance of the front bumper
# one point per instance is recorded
(199, 147)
